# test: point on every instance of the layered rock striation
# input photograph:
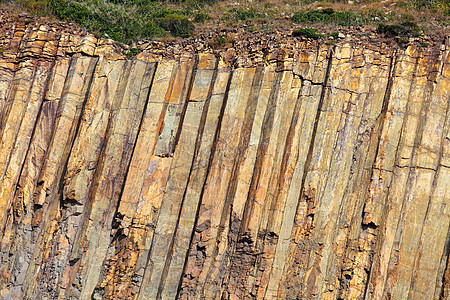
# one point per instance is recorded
(317, 173)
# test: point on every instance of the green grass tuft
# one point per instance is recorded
(201, 17)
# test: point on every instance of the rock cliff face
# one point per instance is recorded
(322, 173)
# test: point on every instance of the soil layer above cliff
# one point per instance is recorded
(277, 167)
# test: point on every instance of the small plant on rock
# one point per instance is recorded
(177, 25)
(405, 29)
(310, 33)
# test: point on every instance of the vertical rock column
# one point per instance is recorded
(80, 169)
(416, 185)
(164, 251)
(46, 176)
(19, 225)
(443, 287)
(350, 102)
(209, 223)
(311, 66)
(141, 199)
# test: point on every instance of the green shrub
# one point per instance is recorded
(375, 13)
(124, 20)
(402, 42)
(132, 52)
(408, 17)
(327, 11)
(194, 4)
(330, 16)
(405, 29)
(220, 40)
(429, 4)
(177, 25)
(308, 1)
(37, 7)
(310, 33)
(241, 14)
(348, 19)
(201, 17)
(314, 16)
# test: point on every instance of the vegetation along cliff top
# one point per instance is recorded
(208, 25)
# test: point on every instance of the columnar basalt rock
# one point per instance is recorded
(317, 172)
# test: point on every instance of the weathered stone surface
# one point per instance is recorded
(319, 172)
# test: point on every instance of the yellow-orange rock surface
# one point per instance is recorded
(320, 173)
